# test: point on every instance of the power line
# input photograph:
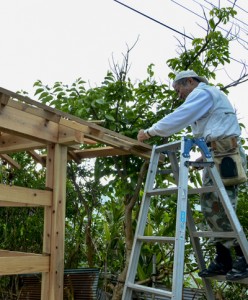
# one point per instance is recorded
(234, 5)
(184, 7)
(238, 6)
(144, 15)
(204, 19)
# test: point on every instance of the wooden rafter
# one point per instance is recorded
(32, 125)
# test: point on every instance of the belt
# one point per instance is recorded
(233, 141)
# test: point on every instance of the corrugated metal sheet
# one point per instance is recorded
(79, 284)
(30, 287)
(82, 282)
(188, 294)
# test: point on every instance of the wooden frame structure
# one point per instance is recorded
(26, 125)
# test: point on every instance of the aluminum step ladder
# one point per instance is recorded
(184, 218)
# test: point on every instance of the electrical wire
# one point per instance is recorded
(171, 28)
(144, 15)
(238, 6)
(204, 19)
(184, 7)
(234, 7)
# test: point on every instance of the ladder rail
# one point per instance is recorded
(137, 243)
(229, 210)
(181, 218)
(195, 240)
(192, 232)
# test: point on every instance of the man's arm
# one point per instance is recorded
(197, 104)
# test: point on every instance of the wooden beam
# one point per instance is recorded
(73, 156)
(10, 193)
(99, 152)
(68, 136)
(58, 223)
(95, 132)
(26, 125)
(12, 262)
(17, 204)
(54, 226)
(47, 229)
(33, 110)
(10, 143)
(3, 100)
(33, 127)
(39, 118)
(54, 111)
(38, 158)
(10, 161)
(113, 139)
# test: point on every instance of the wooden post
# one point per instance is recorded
(54, 223)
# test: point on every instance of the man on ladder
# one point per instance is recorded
(212, 117)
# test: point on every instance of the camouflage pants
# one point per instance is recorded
(213, 210)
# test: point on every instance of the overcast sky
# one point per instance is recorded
(59, 40)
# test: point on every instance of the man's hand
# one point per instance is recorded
(142, 135)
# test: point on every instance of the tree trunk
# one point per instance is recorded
(117, 293)
(90, 251)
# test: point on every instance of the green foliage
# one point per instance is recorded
(208, 52)
(21, 229)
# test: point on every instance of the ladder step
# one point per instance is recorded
(147, 289)
(162, 191)
(174, 146)
(153, 239)
(172, 190)
(230, 234)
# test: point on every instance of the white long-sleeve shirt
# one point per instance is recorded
(197, 104)
(207, 110)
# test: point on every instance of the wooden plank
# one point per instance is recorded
(16, 204)
(10, 161)
(67, 116)
(3, 100)
(99, 152)
(26, 125)
(31, 109)
(68, 136)
(58, 223)
(90, 130)
(78, 155)
(45, 287)
(137, 147)
(12, 262)
(54, 226)
(111, 139)
(25, 195)
(11, 143)
(38, 158)
(73, 156)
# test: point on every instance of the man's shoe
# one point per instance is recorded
(239, 270)
(215, 268)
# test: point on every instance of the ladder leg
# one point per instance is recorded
(178, 267)
(145, 204)
(230, 212)
(191, 228)
(198, 253)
